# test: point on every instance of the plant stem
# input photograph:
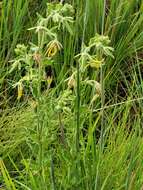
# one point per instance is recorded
(102, 84)
(78, 108)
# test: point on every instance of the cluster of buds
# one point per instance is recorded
(63, 102)
(34, 58)
(58, 12)
(100, 44)
(93, 55)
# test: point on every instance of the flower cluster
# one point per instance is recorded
(34, 58)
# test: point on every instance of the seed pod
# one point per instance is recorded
(98, 88)
(71, 82)
(37, 57)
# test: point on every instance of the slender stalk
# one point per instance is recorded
(78, 92)
(61, 125)
(39, 124)
(78, 108)
(102, 85)
(52, 174)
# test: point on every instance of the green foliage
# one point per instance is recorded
(77, 123)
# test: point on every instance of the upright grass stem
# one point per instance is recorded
(78, 75)
(102, 83)
(78, 108)
(41, 35)
(53, 173)
(77, 90)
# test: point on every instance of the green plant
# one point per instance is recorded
(35, 58)
(79, 126)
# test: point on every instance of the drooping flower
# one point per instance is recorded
(20, 90)
(53, 47)
(96, 63)
(49, 80)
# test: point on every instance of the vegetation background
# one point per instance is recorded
(71, 105)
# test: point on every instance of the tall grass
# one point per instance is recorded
(73, 139)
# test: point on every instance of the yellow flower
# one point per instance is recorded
(49, 80)
(53, 47)
(95, 63)
(20, 91)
